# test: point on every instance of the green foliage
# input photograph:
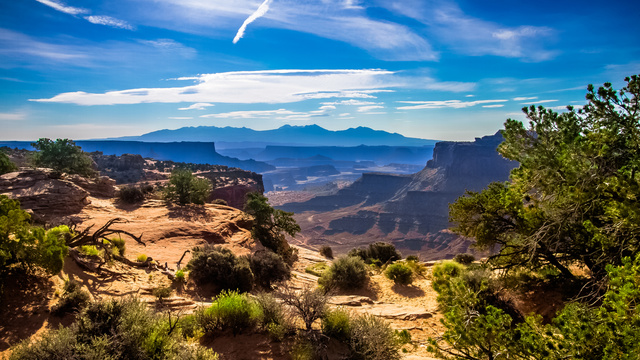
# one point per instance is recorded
(6, 165)
(346, 272)
(326, 251)
(271, 225)
(274, 318)
(119, 245)
(575, 192)
(26, 245)
(373, 339)
(141, 258)
(268, 267)
(162, 292)
(399, 273)
(63, 156)
(113, 329)
(89, 250)
(186, 188)
(230, 310)
(132, 194)
(464, 258)
(74, 298)
(309, 304)
(337, 324)
(219, 266)
(180, 277)
(419, 269)
(413, 258)
(317, 269)
(377, 253)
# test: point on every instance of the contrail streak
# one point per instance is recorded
(262, 9)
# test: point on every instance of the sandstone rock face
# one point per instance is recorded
(47, 196)
(126, 168)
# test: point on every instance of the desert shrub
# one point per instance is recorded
(317, 269)
(273, 317)
(220, 202)
(162, 292)
(230, 311)
(189, 327)
(464, 258)
(74, 298)
(26, 245)
(326, 251)
(413, 258)
(337, 324)
(419, 269)
(268, 267)
(89, 250)
(141, 258)
(180, 277)
(186, 188)
(309, 304)
(399, 273)
(63, 156)
(6, 165)
(131, 194)
(219, 266)
(346, 272)
(119, 244)
(373, 339)
(112, 329)
(377, 253)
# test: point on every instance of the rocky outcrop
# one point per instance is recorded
(126, 168)
(49, 196)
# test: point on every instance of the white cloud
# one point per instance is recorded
(369, 108)
(456, 104)
(197, 106)
(262, 9)
(350, 102)
(251, 114)
(171, 46)
(273, 86)
(344, 114)
(493, 106)
(12, 116)
(181, 117)
(470, 95)
(538, 102)
(63, 8)
(109, 21)
(521, 98)
(564, 108)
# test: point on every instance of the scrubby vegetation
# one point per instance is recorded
(113, 329)
(219, 266)
(326, 251)
(26, 245)
(399, 273)
(271, 225)
(74, 298)
(268, 267)
(132, 194)
(186, 188)
(569, 205)
(336, 323)
(346, 272)
(378, 253)
(6, 165)
(63, 156)
(373, 339)
(464, 258)
(229, 310)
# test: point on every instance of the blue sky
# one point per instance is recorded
(433, 69)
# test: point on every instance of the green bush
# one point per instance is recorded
(26, 245)
(74, 298)
(180, 277)
(230, 311)
(268, 267)
(162, 292)
(317, 269)
(273, 317)
(119, 244)
(464, 258)
(326, 251)
(131, 194)
(337, 324)
(373, 339)
(377, 253)
(113, 329)
(141, 258)
(219, 266)
(346, 272)
(413, 258)
(63, 156)
(89, 250)
(399, 273)
(6, 165)
(185, 188)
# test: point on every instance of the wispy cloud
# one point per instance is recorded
(180, 117)
(262, 9)
(352, 102)
(369, 108)
(522, 98)
(16, 116)
(493, 106)
(109, 21)
(63, 8)
(456, 104)
(273, 86)
(197, 106)
(538, 102)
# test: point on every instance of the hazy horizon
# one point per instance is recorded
(430, 69)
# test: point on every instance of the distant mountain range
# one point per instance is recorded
(287, 135)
